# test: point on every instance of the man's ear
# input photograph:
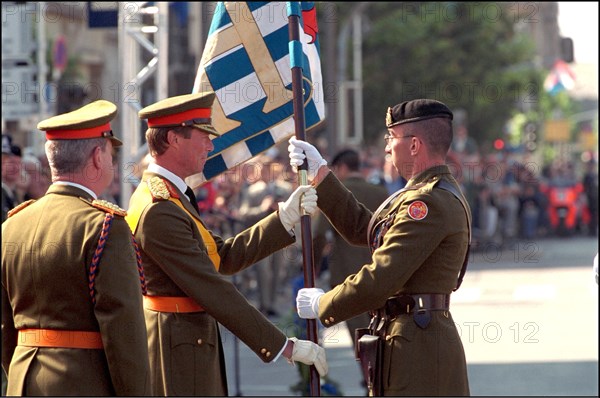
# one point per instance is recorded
(97, 157)
(415, 145)
(172, 138)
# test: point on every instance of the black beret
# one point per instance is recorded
(415, 110)
(8, 147)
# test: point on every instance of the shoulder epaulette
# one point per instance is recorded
(108, 207)
(415, 187)
(161, 189)
(20, 207)
(429, 185)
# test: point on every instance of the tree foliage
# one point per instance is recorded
(471, 56)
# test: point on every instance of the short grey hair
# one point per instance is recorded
(67, 157)
(437, 133)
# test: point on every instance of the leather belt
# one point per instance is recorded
(60, 338)
(406, 303)
(171, 304)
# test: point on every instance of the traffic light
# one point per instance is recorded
(566, 49)
(498, 144)
(530, 136)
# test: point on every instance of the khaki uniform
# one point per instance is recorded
(186, 355)
(416, 256)
(346, 259)
(47, 250)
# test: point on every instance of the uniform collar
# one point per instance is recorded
(161, 171)
(74, 184)
(426, 175)
(72, 189)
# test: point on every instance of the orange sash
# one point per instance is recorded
(142, 198)
(209, 242)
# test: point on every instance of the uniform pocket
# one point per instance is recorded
(398, 354)
(194, 332)
(194, 350)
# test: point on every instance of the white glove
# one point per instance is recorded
(300, 150)
(310, 353)
(305, 197)
(307, 302)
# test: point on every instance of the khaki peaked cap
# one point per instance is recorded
(90, 121)
(184, 110)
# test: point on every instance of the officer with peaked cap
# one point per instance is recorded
(419, 240)
(11, 173)
(184, 262)
(72, 320)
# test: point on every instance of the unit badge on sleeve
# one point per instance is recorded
(417, 210)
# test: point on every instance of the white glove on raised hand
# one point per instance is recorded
(300, 150)
(305, 197)
(307, 302)
(310, 353)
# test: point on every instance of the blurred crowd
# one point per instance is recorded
(514, 197)
(511, 197)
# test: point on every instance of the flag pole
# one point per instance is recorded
(308, 267)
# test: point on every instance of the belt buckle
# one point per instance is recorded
(421, 315)
(399, 305)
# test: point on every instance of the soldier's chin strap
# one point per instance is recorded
(452, 189)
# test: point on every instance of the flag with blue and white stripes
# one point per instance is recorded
(246, 62)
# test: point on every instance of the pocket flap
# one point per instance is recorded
(405, 328)
(198, 332)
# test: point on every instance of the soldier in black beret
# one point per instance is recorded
(184, 261)
(419, 239)
(72, 320)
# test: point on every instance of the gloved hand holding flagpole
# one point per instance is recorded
(296, 64)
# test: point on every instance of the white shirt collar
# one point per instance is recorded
(74, 184)
(179, 183)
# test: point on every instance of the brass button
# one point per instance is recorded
(331, 319)
(199, 341)
(263, 350)
(326, 321)
(268, 354)
(388, 337)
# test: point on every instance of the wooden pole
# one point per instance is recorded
(296, 56)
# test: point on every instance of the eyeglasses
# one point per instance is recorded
(388, 137)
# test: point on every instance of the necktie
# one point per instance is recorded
(190, 194)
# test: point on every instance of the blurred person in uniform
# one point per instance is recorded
(346, 259)
(464, 145)
(38, 177)
(11, 174)
(11, 169)
(184, 263)
(258, 199)
(72, 320)
(419, 240)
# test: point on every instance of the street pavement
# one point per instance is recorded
(527, 316)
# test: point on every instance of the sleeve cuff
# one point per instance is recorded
(280, 351)
(321, 174)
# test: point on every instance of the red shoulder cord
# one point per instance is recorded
(98, 255)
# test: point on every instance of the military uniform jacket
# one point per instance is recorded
(185, 348)
(346, 259)
(422, 252)
(47, 250)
